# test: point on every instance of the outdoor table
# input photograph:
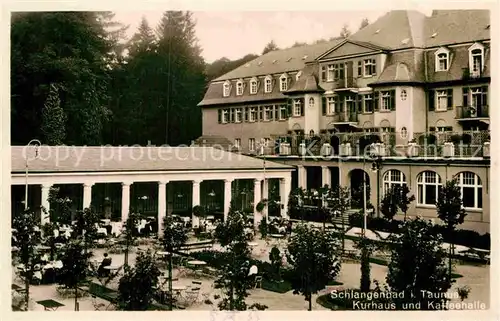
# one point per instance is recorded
(196, 262)
(42, 247)
(277, 236)
(252, 244)
(163, 253)
(178, 287)
(50, 305)
(110, 267)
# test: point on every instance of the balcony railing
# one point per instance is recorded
(346, 82)
(471, 74)
(465, 112)
(431, 144)
(348, 118)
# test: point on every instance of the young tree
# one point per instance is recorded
(263, 228)
(341, 202)
(450, 210)
(345, 32)
(418, 266)
(271, 46)
(53, 118)
(390, 202)
(313, 255)
(85, 228)
(26, 236)
(137, 286)
(129, 234)
(75, 268)
(234, 277)
(172, 239)
(367, 247)
(405, 200)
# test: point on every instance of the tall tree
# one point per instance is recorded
(450, 210)
(345, 32)
(71, 49)
(365, 22)
(271, 46)
(53, 118)
(182, 68)
(143, 40)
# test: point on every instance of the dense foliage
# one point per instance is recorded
(420, 274)
(137, 287)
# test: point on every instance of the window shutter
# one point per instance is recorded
(302, 102)
(393, 100)
(359, 104)
(360, 69)
(232, 112)
(431, 100)
(260, 118)
(271, 112)
(277, 112)
(219, 114)
(375, 100)
(449, 93)
(465, 97)
(323, 106)
(289, 103)
(247, 110)
(374, 67)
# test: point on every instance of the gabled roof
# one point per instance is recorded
(350, 47)
(280, 61)
(446, 27)
(397, 29)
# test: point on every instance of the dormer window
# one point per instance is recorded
(442, 59)
(239, 87)
(297, 77)
(476, 59)
(253, 86)
(284, 82)
(268, 84)
(227, 89)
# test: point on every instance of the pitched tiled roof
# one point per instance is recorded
(279, 61)
(456, 26)
(112, 159)
(398, 73)
(214, 141)
(308, 82)
(396, 29)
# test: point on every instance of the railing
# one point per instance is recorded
(430, 144)
(469, 74)
(464, 112)
(346, 82)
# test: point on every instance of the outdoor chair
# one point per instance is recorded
(192, 295)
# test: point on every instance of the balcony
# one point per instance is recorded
(472, 113)
(468, 74)
(348, 118)
(346, 84)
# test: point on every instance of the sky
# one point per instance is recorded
(234, 34)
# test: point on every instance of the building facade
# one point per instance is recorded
(410, 91)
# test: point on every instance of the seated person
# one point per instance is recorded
(101, 271)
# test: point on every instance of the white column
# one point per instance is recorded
(257, 192)
(265, 195)
(196, 201)
(227, 197)
(44, 213)
(87, 195)
(326, 176)
(125, 200)
(162, 204)
(302, 176)
(285, 189)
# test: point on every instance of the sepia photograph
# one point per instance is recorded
(187, 160)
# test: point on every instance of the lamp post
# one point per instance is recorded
(36, 143)
(376, 167)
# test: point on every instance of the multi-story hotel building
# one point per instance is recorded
(417, 86)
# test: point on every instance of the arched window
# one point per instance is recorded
(393, 177)
(268, 84)
(227, 88)
(472, 190)
(284, 82)
(253, 86)
(476, 59)
(428, 186)
(442, 59)
(311, 102)
(239, 87)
